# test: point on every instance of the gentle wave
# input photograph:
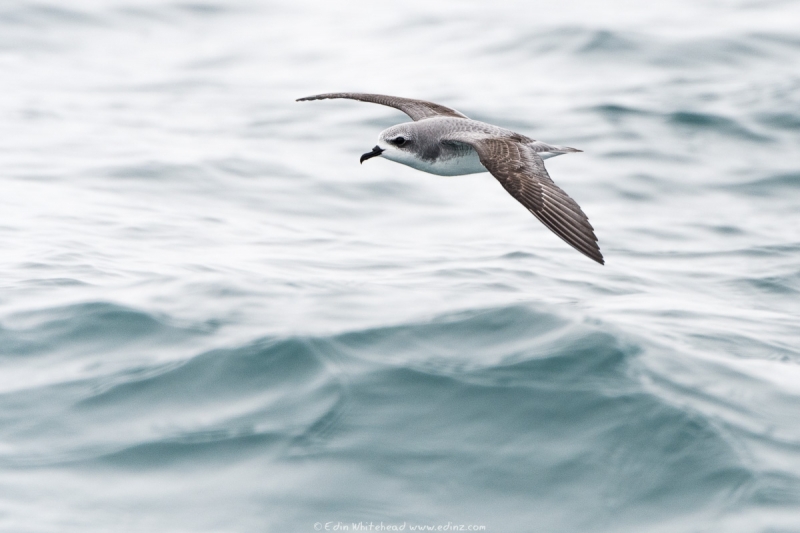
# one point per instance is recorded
(557, 401)
(515, 373)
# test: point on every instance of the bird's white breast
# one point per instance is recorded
(468, 163)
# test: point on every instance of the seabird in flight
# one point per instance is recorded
(445, 142)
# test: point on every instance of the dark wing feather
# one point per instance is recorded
(521, 172)
(416, 109)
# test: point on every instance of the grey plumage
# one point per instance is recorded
(443, 141)
(416, 109)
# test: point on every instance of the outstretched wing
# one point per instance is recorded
(416, 109)
(520, 170)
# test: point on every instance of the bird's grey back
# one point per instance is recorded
(436, 131)
(440, 127)
(432, 136)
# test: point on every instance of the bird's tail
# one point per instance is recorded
(547, 151)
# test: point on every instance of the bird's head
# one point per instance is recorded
(395, 144)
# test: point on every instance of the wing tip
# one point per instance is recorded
(592, 253)
(324, 96)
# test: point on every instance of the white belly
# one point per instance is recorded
(454, 166)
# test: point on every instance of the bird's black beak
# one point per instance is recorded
(375, 152)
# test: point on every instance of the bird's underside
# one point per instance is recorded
(514, 160)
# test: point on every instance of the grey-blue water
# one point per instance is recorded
(213, 319)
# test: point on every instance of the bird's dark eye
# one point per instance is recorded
(400, 141)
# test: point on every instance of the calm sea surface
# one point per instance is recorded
(213, 319)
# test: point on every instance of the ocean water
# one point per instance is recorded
(213, 319)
